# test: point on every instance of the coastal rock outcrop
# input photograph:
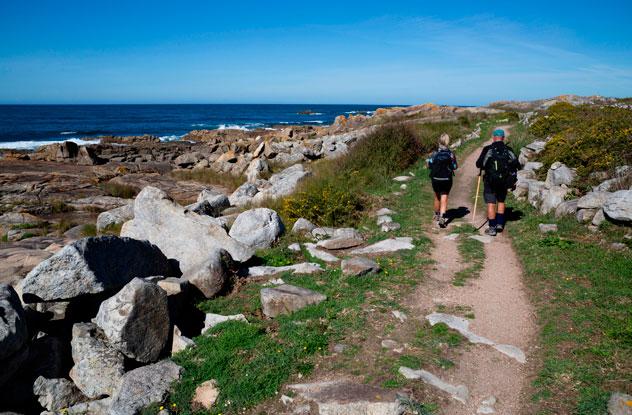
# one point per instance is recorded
(93, 266)
(180, 234)
(136, 320)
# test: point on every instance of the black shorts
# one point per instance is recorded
(494, 195)
(442, 187)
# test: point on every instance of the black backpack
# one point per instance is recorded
(441, 166)
(499, 165)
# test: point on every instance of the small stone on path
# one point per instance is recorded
(389, 344)
(403, 187)
(460, 392)
(340, 243)
(403, 178)
(384, 219)
(294, 247)
(487, 406)
(399, 315)
(482, 238)
(451, 237)
(385, 246)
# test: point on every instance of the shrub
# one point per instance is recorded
(335, 194)
(89, 229)
(589, 138)
(59, 206)
(325, 203)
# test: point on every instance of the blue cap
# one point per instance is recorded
(499, 133)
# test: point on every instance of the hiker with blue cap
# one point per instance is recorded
(500, 165)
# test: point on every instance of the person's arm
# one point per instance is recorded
(429, 159)
(455, 164)
(479, 162)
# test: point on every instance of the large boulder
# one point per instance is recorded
(210, 203)
(13, 333)
(56, 394)
(243, 194)
(282, 183)
(302, 225)
(13, 330)
(257, 228)
(285, 299)
(536, 190)
(144, 386)
(185, 236)
(618, 206)
(136, 320)
(211, 276)
(552, 198)
(566, 208)
(115, 217)
(559, 174)
(592, 200)
(256, 168)
(94, 266)
(358, 266)
(98, 368)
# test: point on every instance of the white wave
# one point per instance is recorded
(32, 144)
(170, 137)
(315, 113)
(245, 127)
(351, 112)
(67, 132)
(315, 122)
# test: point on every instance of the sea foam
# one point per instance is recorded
(32, 145)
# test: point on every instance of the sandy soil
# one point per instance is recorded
(499, 302)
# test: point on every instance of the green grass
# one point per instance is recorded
(472, 253)
(119, 190)
(89, 229)
(27, 225)
(583, 295)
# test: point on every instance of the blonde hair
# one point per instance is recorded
(444, 140)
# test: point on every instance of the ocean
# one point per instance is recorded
(29, 126)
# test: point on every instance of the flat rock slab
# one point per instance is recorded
(386, 246)
(302, 268)
(451, 237)
(482, 238)
(390, 226)
(322, 255)
(462, 326)
(348, 398)
(383, 219)
(358, 266)
(211, 320)
(340, 243)
(459, 392)
(286, 299)
(402, 178)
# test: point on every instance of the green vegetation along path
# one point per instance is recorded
(485, 299)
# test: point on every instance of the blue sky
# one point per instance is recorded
(459, 52)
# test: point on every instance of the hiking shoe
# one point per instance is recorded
(443, 222)
(500, 228)
(436, 217)
(490, 231)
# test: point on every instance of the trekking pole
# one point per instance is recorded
(478, 187)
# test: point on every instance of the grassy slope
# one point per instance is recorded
(583, 294)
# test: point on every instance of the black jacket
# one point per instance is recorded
(481, 159)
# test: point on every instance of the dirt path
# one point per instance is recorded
(498, 301)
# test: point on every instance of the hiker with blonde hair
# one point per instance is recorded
(442, 164)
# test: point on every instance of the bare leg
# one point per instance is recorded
(491, 210)
(501, 207)
(437, 203)
(444, 204)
